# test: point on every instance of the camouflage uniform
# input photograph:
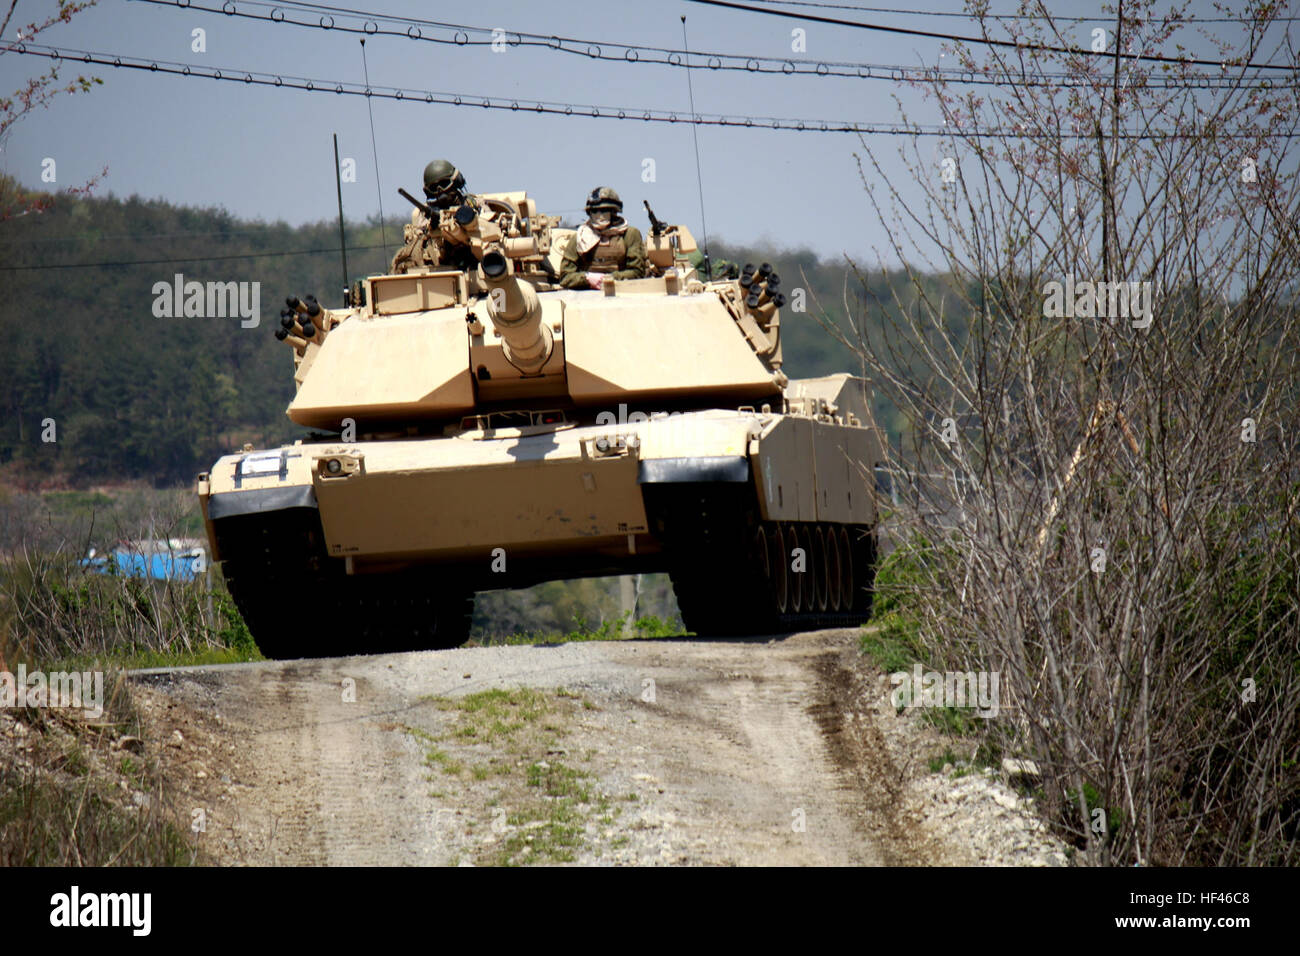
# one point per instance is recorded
(615, 250)
(620, 254)
(424, 246)
(721, 268)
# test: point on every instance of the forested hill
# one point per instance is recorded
(133, 395)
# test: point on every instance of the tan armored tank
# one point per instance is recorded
(483, 428)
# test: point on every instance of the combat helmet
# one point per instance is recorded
(601, 198)
(443, 183)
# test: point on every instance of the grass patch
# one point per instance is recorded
(890, 644)
(434, 756)
(551, 834)
(961, 766)
(550, 829)
(937, 763)
(956, 721)
(47, 822)
(128, 660)
(1097, 810)
(509, 741)
(440, 758)
(984, 756)
(494, 715)
(558, 780)
(893, 639)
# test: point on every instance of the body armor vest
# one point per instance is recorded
(609, 254)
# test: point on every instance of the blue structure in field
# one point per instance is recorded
(159, 561)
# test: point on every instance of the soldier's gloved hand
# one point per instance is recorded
(594, 279)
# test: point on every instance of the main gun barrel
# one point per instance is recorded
(516, 312)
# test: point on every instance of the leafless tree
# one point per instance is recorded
(35, 94)
(1102, 508)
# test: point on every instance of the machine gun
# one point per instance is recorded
(657, 226)
(480, 224)
(669, 243)
(424, 207)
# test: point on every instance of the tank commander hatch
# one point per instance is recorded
(605, 245)
(424, 244)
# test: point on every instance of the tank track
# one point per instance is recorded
(736, 574)
(299, 602)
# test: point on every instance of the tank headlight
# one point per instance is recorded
(338, 463)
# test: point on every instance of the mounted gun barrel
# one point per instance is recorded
(516, 313)
(424, 207)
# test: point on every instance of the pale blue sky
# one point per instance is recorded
(266, 153)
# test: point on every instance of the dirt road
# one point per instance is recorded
(634, 752)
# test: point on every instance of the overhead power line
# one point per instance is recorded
(966, 15)
(364, 23)
(346, 20)
(989, 41)
(548, 107)
(543, 107)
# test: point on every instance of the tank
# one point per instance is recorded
(480, 428)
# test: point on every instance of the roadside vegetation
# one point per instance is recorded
(58, 608)
(1099, 499)
(615, 629)
(1222, 772)
(76, 788)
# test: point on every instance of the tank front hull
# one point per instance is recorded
(722, 500)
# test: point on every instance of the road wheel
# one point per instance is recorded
(298, 602)
(809, 545)
(798, 572)
(846, 569)
(834, 569)
(774, 568)
(823, 576)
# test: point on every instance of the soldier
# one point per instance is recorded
(423, 241)
(605, 246)
(718, 268)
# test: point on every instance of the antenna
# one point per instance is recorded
(695, 132)
(343, 242)
(374, 151)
